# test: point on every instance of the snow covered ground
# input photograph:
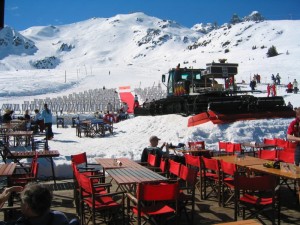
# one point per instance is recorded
(132, 135)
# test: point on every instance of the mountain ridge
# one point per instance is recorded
(141, 40)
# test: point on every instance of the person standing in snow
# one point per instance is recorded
(293, 134)
(47, 115)
(268, 90)
(274, 93)
(278, 79)
(295, 85)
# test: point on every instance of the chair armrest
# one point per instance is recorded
(110, 194)
(132, 198)
(102, 185)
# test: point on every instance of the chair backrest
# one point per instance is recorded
(163, 191)
(233, 147)
(289, 150)
(259, 183)
(193, 161)
(291, 144)
(210, 164)
(267, 154)
(84, 183)
(197, 144)
(285, 156)
(270, 141)
(229, 148)
(188, 175)
(227, 168)
(163, 166)
(174, 168)
(79, 158)
(222, 145)
(281, 142)
(152, 160)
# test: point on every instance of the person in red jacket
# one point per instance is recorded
(269, 90)
(289, 88)
(293, 134)
(274, 90)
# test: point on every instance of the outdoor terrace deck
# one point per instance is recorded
(207, 211)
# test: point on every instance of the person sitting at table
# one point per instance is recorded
(7, 116)
(35, 207)
(38, 121)
(154, 149)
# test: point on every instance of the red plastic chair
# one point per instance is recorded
(286, 156)
(195, 163)
(282, 143)
(148, 206)
(267, 154)
(222, 146)
(227, 181)
(163, 166)
(174, 169)
(256, 194)
(188, 179)
(270, 141)
(292, 145)
(152, 161)
(96, 199)
(197, 144)
(24, 174)
(210, 177)
(80, 160)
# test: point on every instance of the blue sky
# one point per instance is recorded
(21, 14)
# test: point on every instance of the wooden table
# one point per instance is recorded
(7, 169)
(257, 146)
(279, 173)
(129, 173)
(243, 161)
(241, 222)
(108, 163)
(128, 177)
(193, 151)
(20, 133)
(41, 154)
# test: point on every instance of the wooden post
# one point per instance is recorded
(2, 4)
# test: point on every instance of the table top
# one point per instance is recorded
(7, 169)
(130, 175)
(31, 154)
(20, 133)
(258, 145)
(244, 161)
(277, 172)
(108, 163)
(191, 150)
(4, 126)
(241, 222)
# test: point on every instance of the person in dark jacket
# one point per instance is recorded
(7, 116)
(35, 206)
(154, 149)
